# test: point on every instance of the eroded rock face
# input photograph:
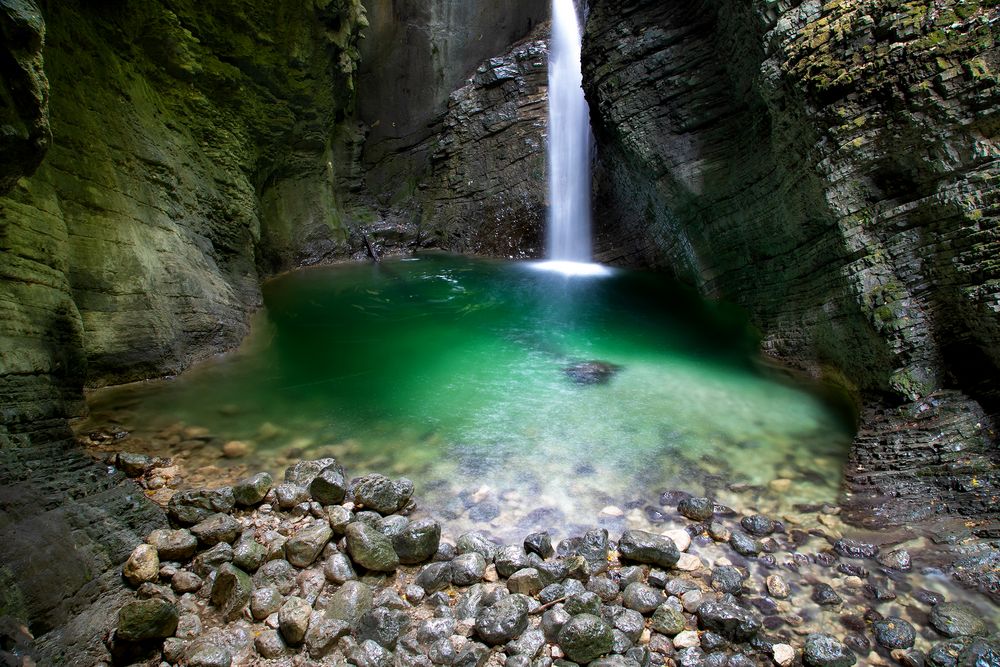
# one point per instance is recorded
(141, 227)
(827, 166)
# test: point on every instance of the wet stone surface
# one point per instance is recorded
(599, 597)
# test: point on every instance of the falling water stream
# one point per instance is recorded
(569, 147)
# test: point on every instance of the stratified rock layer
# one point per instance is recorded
(831, 167)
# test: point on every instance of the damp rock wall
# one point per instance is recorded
(833, 168)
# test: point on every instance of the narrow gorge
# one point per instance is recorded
(807, 192)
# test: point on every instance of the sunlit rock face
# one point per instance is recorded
(832, 167)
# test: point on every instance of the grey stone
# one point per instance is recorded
(729, 620)
(434, 577)
(208, 561)
(350, 602)
(529, 644)
(383, 626)
(269, 644)
(277, 573)
(855, 549)
(323, 635)
(442, 652)
(185, 581)
(627, 621)
(744, 545)
(585, 638)
(468, 569)
(823, 650)
(370, 654)
(728, 579)
(551, 593)
(205, 654)
(339, 518)
(957, 619)
(696, 509)
(757, 525)
(381, 494)
(434, 629)
(417, 542)
(329, 487)
(249, 554)
(823, 594)
(642, 598)
(231, 590)
(894, 632)
(293, 620)
(642, 547)
(338, 569)
(303, 473)
(307, 543)
(176, 545)
(503, 621)
(479, 543)
(510, 559)
(251, 491)
(215, 529)
(147, 619)
(553, 621)
(897, 559)
(264, 602)
(667, 621)
(289, 495)
(526, 582)
(370, 549)
(603, 588)
(190, 507)
(539, 543)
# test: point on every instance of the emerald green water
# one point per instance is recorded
(449, 370)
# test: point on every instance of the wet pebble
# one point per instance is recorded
(956, 619)
(696, 508)
(757, 525)
(893, 632)
(823, 594)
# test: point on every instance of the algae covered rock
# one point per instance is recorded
(585, 638)
(370, 549)
(147, 619)
(381, 494)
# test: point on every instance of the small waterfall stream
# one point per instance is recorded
(570, 140)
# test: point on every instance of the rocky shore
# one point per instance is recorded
(318, 568)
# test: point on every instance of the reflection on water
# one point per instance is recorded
(453, 372)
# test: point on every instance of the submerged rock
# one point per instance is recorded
(823, 650)
(591, 372)
(957, 619)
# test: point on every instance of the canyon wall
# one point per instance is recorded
(141, 145)
(833, 168)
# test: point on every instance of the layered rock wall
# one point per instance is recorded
(134, 244)
(831, 167)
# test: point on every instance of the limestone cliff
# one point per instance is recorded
(834, 169)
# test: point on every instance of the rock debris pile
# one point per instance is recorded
(322, 570)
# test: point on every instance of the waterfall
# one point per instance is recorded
(570, 140)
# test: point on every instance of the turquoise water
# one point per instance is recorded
(451, 371)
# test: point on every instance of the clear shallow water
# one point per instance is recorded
(450, 371)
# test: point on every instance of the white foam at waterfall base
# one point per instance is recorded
(570, 140)
(572, 268)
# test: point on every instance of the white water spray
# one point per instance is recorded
(570, 138)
